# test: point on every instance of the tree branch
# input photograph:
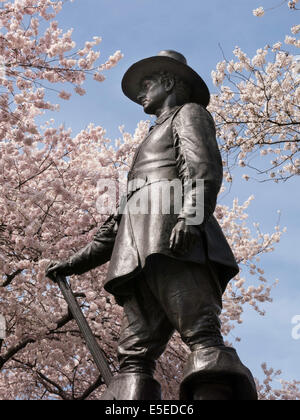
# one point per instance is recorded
(30, 340)
(91, 389)
(10, 277)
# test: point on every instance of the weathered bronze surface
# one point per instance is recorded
(167, 273)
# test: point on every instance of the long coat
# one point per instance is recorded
(181, 146)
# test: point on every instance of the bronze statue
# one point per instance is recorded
(167, 272)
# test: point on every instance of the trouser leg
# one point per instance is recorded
(166, 297)
(145, 330)
(191, 297)
(144, 334)
(180, 295)
(169, 295)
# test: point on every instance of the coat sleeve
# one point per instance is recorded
(98, 251)
(197, 158)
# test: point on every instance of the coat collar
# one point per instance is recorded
(165, 115)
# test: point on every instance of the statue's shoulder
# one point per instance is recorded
(192, 110)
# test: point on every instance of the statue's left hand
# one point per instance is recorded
(58, 268)
(183, 237)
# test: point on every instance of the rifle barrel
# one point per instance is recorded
(85, 329)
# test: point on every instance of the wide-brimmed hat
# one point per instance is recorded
(166, 60)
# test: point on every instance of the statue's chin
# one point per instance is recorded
(148, 110)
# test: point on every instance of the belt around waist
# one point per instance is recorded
(137, 180)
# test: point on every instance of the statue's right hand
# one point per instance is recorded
(58, 268)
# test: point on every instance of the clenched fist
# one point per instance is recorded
(58, 268)
(183, 237)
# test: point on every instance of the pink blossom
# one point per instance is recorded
(259, 12)
(80, 91)
(64, 95)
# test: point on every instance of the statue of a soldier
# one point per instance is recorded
(168, 273)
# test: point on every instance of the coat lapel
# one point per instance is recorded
(160, 120)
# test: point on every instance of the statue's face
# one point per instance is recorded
(152, 95)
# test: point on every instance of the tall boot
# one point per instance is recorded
(132, 386)
(209, 371)
(213, 392)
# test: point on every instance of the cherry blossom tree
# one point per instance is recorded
(48, 190)
(292, 4)
(44, 184)
(257, 109)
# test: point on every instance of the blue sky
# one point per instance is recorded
(141, 28)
